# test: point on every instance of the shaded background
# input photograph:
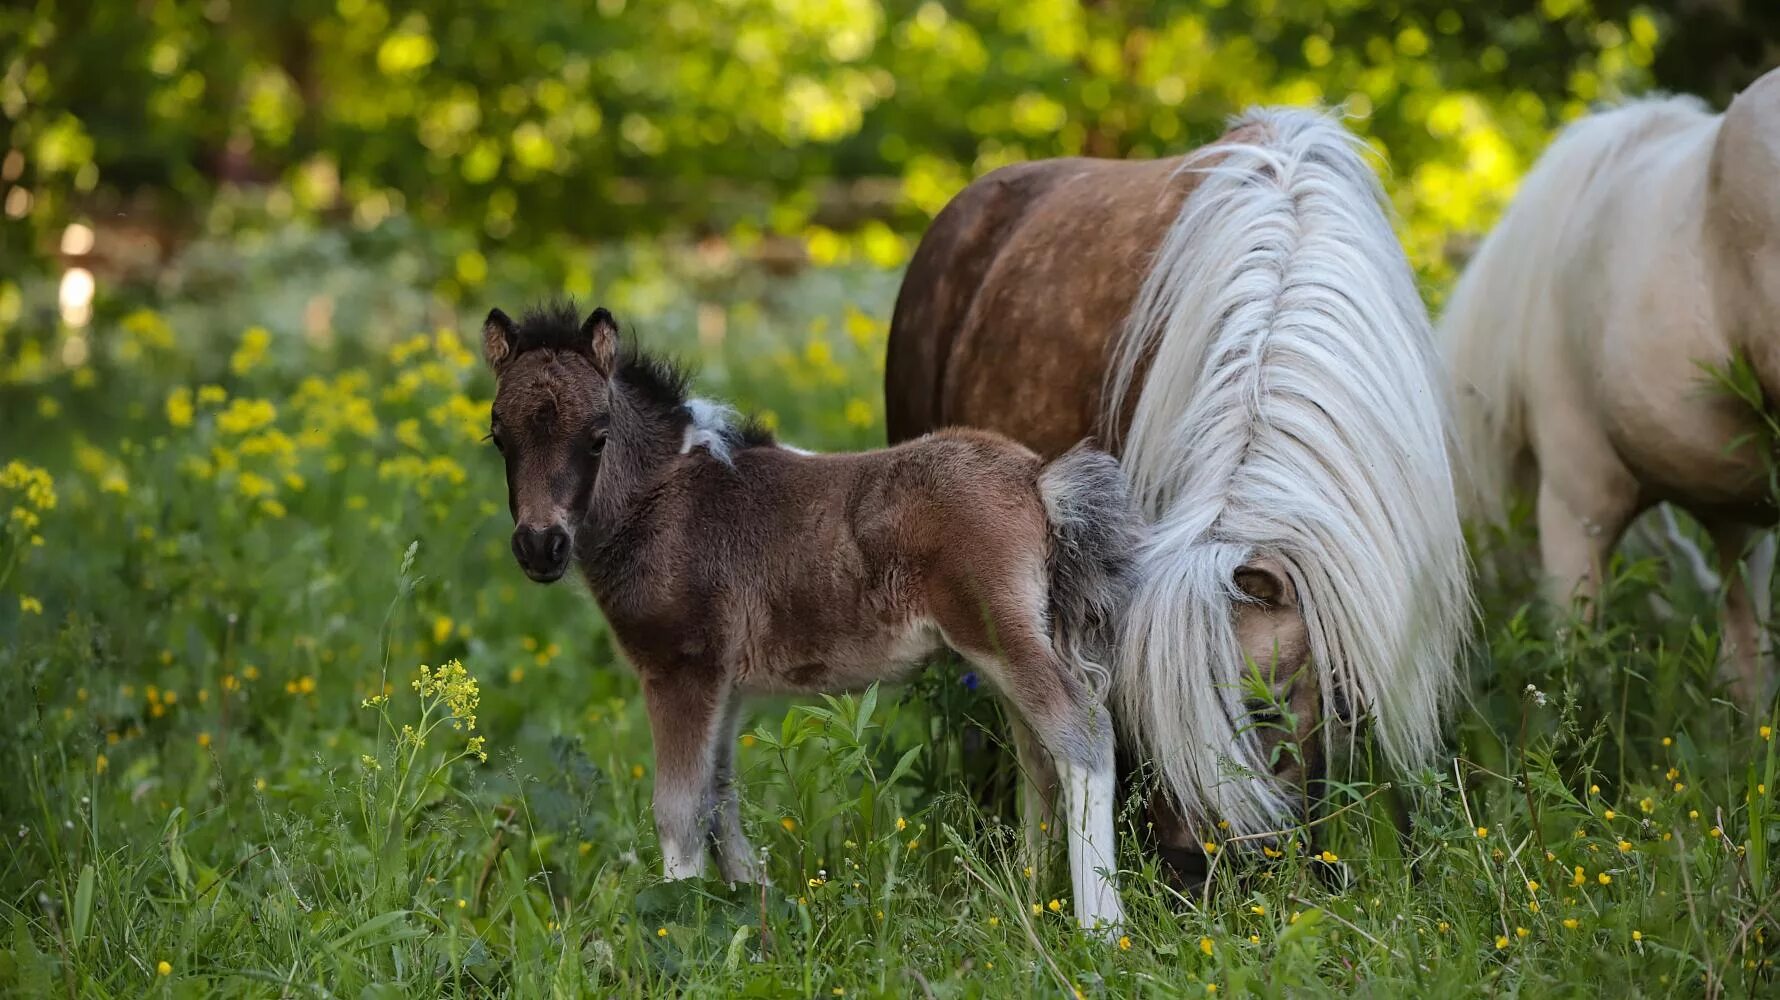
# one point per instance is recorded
(760, 121)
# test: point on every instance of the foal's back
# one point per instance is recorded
(816, 572)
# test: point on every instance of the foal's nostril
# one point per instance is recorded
(541, 552)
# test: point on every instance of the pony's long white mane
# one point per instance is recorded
(1292, 409)
(1506, 302)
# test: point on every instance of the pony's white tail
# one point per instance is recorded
(1506, 301)
(1292, 410)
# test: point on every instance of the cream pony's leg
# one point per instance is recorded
(1586, 500)
(1746, 653)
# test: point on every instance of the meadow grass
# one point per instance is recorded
(247, 554)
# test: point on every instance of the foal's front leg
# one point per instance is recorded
(685, 719)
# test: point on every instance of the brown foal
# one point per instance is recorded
(727, 565)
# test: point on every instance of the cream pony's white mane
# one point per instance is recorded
(1293, 408)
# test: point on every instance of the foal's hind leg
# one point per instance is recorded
(1746, 652)
(1010, 646)
(736, 860)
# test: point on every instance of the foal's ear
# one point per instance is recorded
(601, 331)
(497, 340)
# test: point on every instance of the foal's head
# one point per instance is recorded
(552, 414)
(579, 424)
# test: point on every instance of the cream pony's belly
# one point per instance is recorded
(1673, 423)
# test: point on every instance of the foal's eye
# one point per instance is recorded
(499, 445)
(596, 443)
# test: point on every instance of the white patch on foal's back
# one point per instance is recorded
(709, 428)
(712, 428)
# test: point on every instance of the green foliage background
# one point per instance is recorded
(521, 122)
(245, 496)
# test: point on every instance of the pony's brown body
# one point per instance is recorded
(971, 345)
(1241, 326)
(727, 565)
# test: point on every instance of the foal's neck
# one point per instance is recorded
(642, 439)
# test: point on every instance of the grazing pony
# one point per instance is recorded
(1642, 250)
(727, 565)
(1240, 324)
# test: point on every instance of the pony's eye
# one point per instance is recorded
(499, 445)
(596, 443)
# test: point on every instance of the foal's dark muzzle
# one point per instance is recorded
(543, 554)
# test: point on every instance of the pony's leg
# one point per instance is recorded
(1579, 524)
(1038, 793)
(685, 718)
(1017, 656)
(1745, 654)
(736, 860)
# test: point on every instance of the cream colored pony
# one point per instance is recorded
(1642, 250)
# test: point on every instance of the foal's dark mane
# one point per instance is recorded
(658, 383)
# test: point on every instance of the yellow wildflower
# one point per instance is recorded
(204, 739)
(180, 410)
(1330, 857)
(661, 932)
(1124, 943)
(252, 351)
(1205, 945)
(29, 605)
(1604, 878)
(788, 823)
(1521, 932)
(1483, 831)
(1055, 905)
(164, 967)
(1501, 942)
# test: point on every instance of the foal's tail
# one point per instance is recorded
(1095, 530)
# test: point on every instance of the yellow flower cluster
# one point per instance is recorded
(252, 351)
(35, 491)
(453, 685)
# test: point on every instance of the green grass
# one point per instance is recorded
(194, 777)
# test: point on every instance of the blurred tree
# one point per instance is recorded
(606, 118)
